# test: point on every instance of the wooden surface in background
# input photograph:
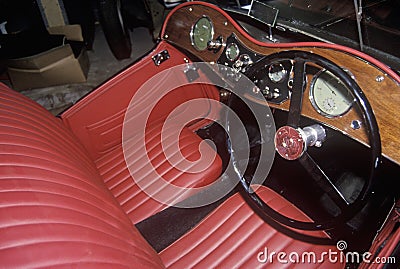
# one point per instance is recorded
(384, 96)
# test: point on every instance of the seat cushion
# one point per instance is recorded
(139, 205)
(233, 236)
(55, 210)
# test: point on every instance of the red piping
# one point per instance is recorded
(354, 52)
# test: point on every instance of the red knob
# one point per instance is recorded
(289, 143)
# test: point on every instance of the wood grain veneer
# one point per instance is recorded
(383, 96)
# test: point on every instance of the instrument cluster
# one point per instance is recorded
(327, 94)
(209, 35)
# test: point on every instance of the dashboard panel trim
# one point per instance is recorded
(383, 95)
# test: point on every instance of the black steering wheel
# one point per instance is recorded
(300, 59)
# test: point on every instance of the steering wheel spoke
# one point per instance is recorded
(323, 181)
(296, 99)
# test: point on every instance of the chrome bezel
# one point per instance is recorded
(285, 72)
(312, 99)
(192, 32)
(236, 47)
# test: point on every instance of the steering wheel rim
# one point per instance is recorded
(301, 58)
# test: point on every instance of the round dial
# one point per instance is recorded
(276, 72)
(202, 32)
(329, 95)
(232, 52)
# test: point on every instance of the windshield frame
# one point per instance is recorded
(326, 29)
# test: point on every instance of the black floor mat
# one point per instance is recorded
(167, 226)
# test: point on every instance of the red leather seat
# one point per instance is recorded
(136, 203)
(100, 132)
(233, 236)
(55, 210)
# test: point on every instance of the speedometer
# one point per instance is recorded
(202, 32)
(329, 96)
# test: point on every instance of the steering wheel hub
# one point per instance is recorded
(289, 143)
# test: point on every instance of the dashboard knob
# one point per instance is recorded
(215, 45)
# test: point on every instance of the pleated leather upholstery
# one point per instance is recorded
(134, 201)
(54, 208)
(55, 211)
(233, 236)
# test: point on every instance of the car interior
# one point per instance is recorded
(150, 170)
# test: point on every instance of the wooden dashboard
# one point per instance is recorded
(379, 83)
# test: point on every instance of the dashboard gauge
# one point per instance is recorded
(202, 32)
(277, 72)
(232, 52)
(329, 96)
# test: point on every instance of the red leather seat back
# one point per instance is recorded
(54, 208)
(98, 118)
